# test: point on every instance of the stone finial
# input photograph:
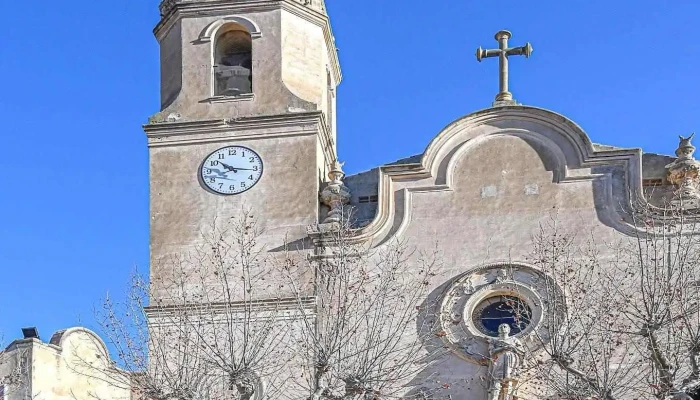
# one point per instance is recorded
(683, 173)
(685, 148)
(336, 194)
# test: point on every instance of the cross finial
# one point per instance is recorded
(504, 97)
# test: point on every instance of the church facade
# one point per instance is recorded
(248, 120)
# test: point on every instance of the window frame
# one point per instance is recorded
(211, 34)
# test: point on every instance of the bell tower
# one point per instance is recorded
(243, 58)
(256, 75)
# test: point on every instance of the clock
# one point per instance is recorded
(231, 170)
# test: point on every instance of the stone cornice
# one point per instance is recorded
(198, 8)
(255, 122)
(22, 344)
(217, 130)
(262, 305)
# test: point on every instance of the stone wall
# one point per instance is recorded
(75, 365)
(478, 194)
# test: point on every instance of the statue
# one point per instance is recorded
(507, 355)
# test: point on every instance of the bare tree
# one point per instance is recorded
(631, 326)
(362, 339)
(204, 327)
(208, 324)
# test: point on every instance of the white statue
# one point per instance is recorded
(507, 356)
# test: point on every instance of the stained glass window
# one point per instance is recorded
(497, 310)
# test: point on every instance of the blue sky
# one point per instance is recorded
(80, 77)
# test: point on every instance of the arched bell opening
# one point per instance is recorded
(233, 61)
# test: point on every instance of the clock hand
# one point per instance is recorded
(234, 169)
(242, 169)
(228, 167)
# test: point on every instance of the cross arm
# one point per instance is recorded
(481, 53)
(520, 51)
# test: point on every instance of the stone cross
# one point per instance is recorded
(502, 52)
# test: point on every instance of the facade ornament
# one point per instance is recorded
(502, 276)
(174, 117)
(504, 97)
(684, 173)
(469, 287)
(466, 288)
(507, 354)
(161, 117)
(336, 194)
(318, 5)
(166, 6)
(466, 321)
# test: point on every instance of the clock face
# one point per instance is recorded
(232, 170)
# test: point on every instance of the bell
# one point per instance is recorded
(233, 80)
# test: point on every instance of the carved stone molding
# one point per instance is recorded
(317, 5)
(575, 157)
(459, 311)
(166, 6)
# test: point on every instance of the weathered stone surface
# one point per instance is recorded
(285, 200)
(478, 192)
(295, 65)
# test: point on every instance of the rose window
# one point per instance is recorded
(490, 313)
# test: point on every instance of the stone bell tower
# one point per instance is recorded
(253, 79)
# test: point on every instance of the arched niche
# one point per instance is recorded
(232, 58)
(210, 32)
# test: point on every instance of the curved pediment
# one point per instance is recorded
(565, 140)
(507, 158)
(68, 340)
